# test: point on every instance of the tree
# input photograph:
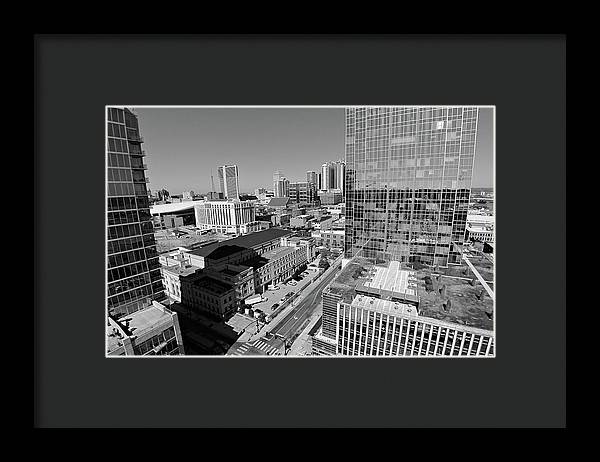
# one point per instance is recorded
(324, 263)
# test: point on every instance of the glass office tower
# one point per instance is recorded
(134, 278)
(408, 181)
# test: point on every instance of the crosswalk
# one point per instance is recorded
(261, 345)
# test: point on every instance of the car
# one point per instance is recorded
(275, 305)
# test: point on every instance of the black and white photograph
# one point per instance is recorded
(300, 231)
(273, 231)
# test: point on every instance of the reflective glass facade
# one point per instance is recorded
(134, 277)
(408, 181)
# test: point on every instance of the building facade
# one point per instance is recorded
(151, 331)
(228, 217)
(408, 181)
(134, 278)
(229, 181)
(383, 309)
(302, 192)
(281, 185)
(331, 197)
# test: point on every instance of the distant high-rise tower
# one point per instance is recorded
(327, 176)
(134, 278)
(339, 175)
(408, 181)
(229, 181)
(311, 177)
(281, 185)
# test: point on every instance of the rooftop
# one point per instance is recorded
(182, 271)
(159, 209)
(246, 241)
(278, 252)
(279, 201)
(469, 304)
(212, 285)
(384, 306)
(147, 319)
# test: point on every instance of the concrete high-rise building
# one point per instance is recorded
(302, 192)
(327, 176)
(281, 185)
(340, 176)
(375, 308)
(229, 181)
(408, 179)
(226, 216)
(311, 177)
(136, 323)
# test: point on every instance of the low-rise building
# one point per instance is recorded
(324, 222)
(331, 197)
(300, 221)
(153, 330)
(329, 237)
(200, 292)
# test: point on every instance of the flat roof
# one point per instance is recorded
(278, 201)
(393, 279)
(278, 252)
(145, 319)
(384, 306)
(213, 285)
(182, 271)
(159, 209)
(361, 276)
(471, 217)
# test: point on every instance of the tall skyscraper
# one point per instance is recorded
(281, 185)
(327, 176)
(229, 181)
(408, 181)
(137, 324)
(311, 177)
(340, 176)
(134, 278)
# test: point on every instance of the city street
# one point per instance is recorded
(284, 330)
(295, 318)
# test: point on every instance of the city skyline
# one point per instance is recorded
(260, 141)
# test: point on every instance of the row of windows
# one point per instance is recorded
(134, 282)
(126, 258)
(117, 145)
(116, 115)
(132, 216)
(124, 272)
(119, 160)
(120, 231)
(155, 341)
(119, 174)
(128, 203)
(123, 245)
(116, 130)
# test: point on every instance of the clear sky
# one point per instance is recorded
(184, 144)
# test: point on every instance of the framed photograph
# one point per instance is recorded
(297, 231)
